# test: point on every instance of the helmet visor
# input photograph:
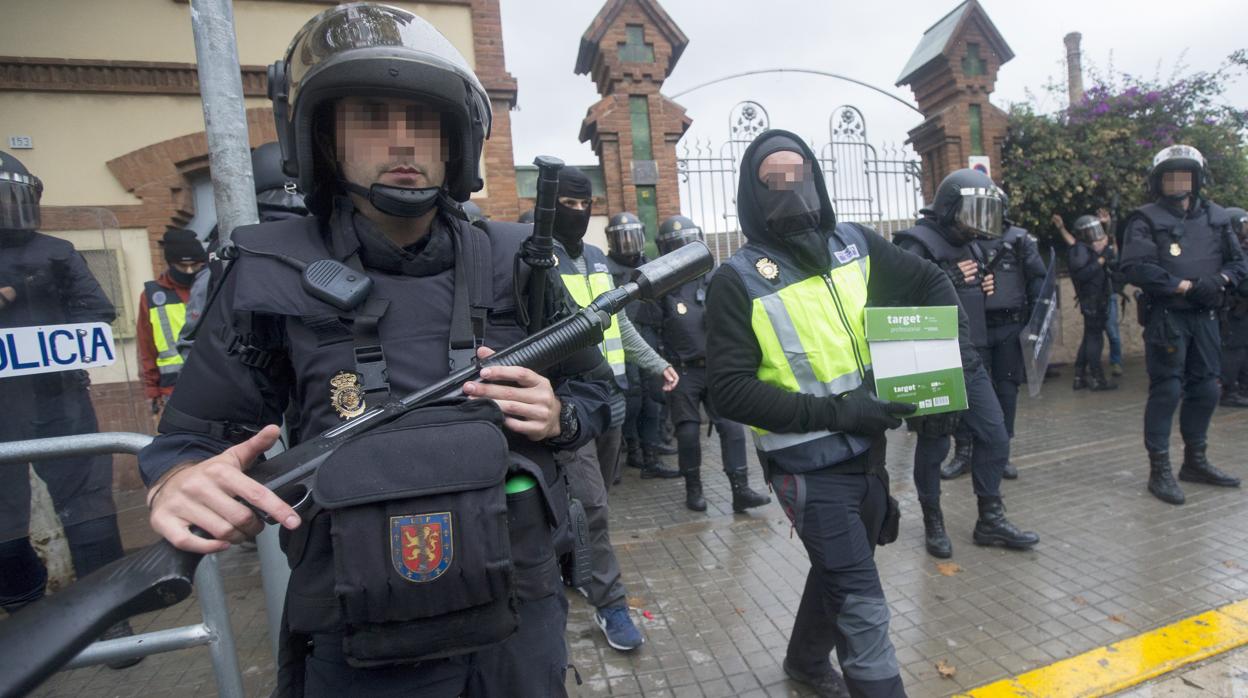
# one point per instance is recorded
(19, 201)
(981, 212)
(1091, 231)
(678, 239)
(627, 240)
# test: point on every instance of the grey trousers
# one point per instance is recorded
(591, 470)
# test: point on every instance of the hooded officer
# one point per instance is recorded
(1235, 328)
(1018, 273)
(595, 467)
(1092, 264)
(787, 355)
(1181, 252)
(45, 281)
(626, 250)
(163, 313)
(967, 209)
(443, 583)
(684, 344)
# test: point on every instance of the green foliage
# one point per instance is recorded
(1098, 152)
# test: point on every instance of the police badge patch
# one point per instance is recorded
(345, 394)
(421, 545)
(767, 269)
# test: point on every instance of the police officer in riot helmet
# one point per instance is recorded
(446, 586)
(1235, 327)
(1018, 273)
(684, 344)
(1182, 252)
(626, 250)
(967, 211)
(45, 281)
(1092, 265)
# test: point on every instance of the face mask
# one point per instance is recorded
(182, 278)
(570, 226)
(793, 216)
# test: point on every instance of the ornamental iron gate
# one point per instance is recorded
(879, 187)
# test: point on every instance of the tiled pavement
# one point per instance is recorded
(716, 592)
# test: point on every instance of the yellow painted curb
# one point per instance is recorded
(1111, 668)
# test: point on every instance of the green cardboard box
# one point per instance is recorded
(915, 356)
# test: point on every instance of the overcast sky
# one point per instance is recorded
(869, 40)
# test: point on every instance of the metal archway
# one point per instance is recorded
(804, 71)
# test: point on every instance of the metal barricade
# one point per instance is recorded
(214, 631)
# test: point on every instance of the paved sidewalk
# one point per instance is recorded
(715, 593)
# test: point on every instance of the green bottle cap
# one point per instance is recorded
(520, 483)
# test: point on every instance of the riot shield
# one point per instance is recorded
(68, 369)
(1039, 335)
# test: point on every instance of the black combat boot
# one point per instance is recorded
(652, 467)
(935, 538)
(1097, 380)
(633, 449)
(742, 496)
(1161, 479)
(826, 685)
(993, 528)
(694, 500)
(960, 464)
(1197, 468)
(1081, 380)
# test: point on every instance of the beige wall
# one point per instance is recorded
(160, 30)
(75, 135)
(136, 262)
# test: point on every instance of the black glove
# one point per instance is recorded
(1206, 291)
(860, 412)
(936, 425)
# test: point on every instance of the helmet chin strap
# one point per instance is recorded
(404, 202)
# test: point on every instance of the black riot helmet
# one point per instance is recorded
(1088, 228)
(526, 217)
(969, 204)
(371, 50)
(1176, 158)
(1239, 222)
(275, 190)
(20, 192)
(676, 232)
(626, 238)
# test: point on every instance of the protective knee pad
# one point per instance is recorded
(93, 544)
(24, 575)
(863, 621)
(688, 447)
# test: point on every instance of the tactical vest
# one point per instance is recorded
(1199, 241)
(584, 288)
(415, 336)
(1009, 275)
(167, 313)
(946, 256)
(812, 333)
(684, 322)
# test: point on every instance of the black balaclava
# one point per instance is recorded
(570, 224)
(182, 246)
(798, 219)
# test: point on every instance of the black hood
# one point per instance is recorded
(749, 211)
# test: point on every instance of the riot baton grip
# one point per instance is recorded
(673, 270)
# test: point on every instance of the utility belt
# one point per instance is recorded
(997, 318)
(691, 363)
(430, 551)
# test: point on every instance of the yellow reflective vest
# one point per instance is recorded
(167, 313)
(584, 288)
(811, 330)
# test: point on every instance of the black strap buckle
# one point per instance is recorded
(248, 354)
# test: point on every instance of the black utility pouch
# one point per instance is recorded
(892, 523)
(422, 557)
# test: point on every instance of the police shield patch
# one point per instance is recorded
(421, 545)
